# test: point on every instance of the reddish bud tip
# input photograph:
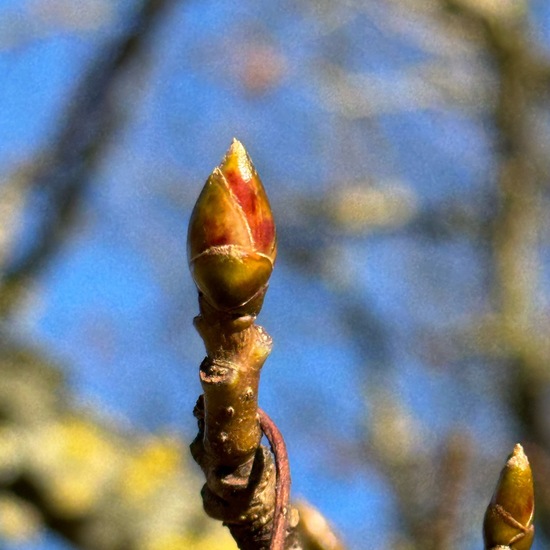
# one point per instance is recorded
(509, 517)
(231, 242)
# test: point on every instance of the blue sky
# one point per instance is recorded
(115, 305)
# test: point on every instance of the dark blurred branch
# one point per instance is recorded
(70, 528)
(98, 486)
(33, 367)
(60, 180)
(517, 224)
(444, 529)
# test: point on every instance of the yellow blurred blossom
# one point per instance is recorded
(76, 462)
(9, 452)
(156, 462)
(220, 539)
(18, 520)
(359, 208)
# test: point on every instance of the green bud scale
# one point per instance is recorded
(231, 241)
(508, 521)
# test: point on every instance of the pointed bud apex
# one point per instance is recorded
(231, 243)
(509, 517)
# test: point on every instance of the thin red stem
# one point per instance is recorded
(282, 468)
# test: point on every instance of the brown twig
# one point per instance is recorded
(231, 250)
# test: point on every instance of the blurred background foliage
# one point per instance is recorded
(403, 144)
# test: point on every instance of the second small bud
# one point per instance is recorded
(508, 520)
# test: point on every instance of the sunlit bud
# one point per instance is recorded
(231, 243)
(509, 517)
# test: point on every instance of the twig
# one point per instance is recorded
(232, 248)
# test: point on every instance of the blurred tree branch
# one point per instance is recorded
(59, 178)
(518, 224)
(508, 223)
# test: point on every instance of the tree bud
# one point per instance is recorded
(231, 243)
(509, 517)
